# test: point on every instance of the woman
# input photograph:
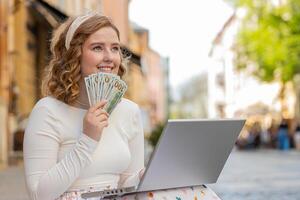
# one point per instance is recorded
(69, 147)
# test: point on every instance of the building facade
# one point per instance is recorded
(25, 28)
(231, 92)
(155, 70)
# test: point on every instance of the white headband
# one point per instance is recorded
(75, 24)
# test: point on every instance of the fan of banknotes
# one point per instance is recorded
(106, 86)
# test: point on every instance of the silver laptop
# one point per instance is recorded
(189, 153)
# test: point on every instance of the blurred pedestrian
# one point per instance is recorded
(254, 139)
(297, 137)
(283, 137)
(251, 137)
(292, 128)
(273, 134)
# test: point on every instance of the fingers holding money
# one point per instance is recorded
(100, 112)
(102, 117)
(95, 120)
(98, 105)
(104, 123)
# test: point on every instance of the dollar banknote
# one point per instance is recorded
(107, 86)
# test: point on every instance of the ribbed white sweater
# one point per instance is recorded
(58, 157)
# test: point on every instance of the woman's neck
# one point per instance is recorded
(82, 100)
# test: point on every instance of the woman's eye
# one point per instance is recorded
(116, 49)
(97, 48)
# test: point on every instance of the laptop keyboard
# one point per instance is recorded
(108, 194)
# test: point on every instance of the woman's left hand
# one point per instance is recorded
(141, 173)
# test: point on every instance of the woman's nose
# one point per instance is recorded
(108, 55)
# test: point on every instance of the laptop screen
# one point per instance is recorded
(190, 152)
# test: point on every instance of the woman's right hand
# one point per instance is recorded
(95, 120)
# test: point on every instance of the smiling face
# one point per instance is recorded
(101, 53)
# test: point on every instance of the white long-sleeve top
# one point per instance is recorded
(58, 157)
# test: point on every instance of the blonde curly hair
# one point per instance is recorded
(62, 75)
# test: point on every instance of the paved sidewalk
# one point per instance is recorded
(260, 175)
(12, 184)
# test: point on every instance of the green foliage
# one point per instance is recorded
(153, 139)
(269, 39)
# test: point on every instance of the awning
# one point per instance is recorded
(46, 13)
(53, 16)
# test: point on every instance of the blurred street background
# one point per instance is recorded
(218, 59)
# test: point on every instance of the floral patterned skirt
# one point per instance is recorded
(189, 193)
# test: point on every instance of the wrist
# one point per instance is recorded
(95, 137)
